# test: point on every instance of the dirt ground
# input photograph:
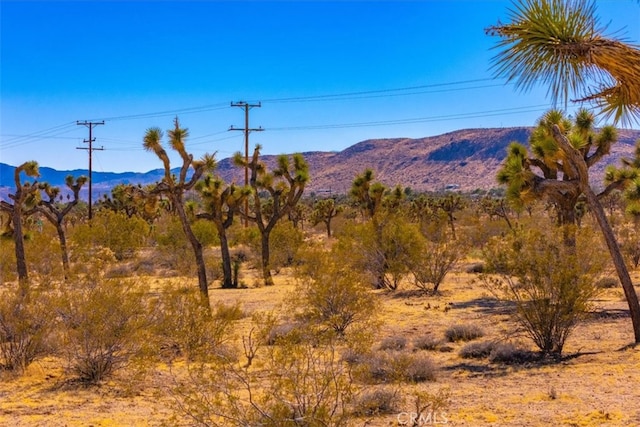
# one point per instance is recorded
(596, 384)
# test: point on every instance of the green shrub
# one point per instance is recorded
(438, 259)
(113, 230)
(331, 294)
(550, 283)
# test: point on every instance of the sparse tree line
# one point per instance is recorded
(315, 362)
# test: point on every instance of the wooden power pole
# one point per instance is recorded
(91, 139)
(246, 131)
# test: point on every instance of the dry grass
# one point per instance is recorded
(594, 385)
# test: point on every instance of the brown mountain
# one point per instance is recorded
(467, 159)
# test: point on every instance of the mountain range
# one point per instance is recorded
(465, 159)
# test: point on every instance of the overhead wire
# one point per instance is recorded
(56, 131)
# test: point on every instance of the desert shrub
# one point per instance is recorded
(25, 329)
(427, 408)
(419, 368)
(279, 332)
(463, 333)
(43, 253)
(330, 294)
(187, 326)
(396, 342)
(377, 401)
(173, 248)
(395, 366)
(230, 312)
(477, 350)
(205, 231)
(102, 327)
(113, 230)
(607, 283)
(285, 241)
(8, 270)
(630, 244)
(476, 267)
(426, 342)
(510, 353)
(294, 383)
(384, 249)
(437, 260)
(551, 283)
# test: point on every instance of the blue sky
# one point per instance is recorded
(327, 74)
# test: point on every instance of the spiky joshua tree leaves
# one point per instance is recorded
(175, 188)
(546, 173)
(561, 44)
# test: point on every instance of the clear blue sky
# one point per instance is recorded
(402, 69)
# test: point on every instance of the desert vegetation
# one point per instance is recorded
(515, 306)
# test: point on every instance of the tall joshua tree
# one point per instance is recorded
(55, 213)
(284, 186)
(174, 188)
(26, 196)
(221, 203)
(545, 173)
(561, 44)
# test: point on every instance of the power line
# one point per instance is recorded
(516, 110)
(344, 95)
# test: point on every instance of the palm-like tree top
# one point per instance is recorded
(560, 43)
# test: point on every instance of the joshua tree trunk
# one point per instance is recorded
(228, 279)
(197, 250)
(18, 239)
(266, 271)
(63, 248)
(579, 164)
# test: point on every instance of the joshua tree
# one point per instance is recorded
(284, 186)
(545, 173)
(221, 202)
(26, 195)
(56, 213)
(324, 211)
(174, 188)
(559, 43)
(368, 194)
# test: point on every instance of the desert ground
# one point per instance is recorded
(595, 384)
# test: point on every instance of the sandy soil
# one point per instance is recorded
(595, 385)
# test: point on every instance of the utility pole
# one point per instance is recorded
(246, 130)
(91, 139)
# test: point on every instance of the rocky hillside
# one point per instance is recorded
(467, 159)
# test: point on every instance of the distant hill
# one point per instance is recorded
(466, 158)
